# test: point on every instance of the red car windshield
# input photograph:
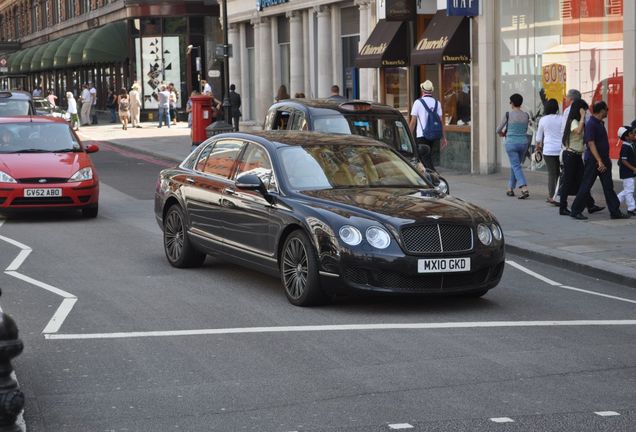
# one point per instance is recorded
(30, 137)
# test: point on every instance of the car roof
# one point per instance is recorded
(15, 94)
(340, 105)
(282, 138)
(32, 119)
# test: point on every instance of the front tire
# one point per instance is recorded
(176, 243)
(299, 271)
(90, 212)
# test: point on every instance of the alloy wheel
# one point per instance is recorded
(174, 232)
(295, 269)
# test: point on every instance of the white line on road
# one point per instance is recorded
(502, 420)
(606, 413)
(532, 273)
(344, 327)
(400, 426)
(60, 315)
(39, 284)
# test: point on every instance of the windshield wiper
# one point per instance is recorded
(65, 150)
(32, 150)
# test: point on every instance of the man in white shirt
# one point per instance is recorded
(93, 91)
(418, 124)
(87, 102)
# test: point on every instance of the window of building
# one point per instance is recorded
(350, 34)
(284, 72)
(85, 6)
(251, 75)
(70, 9)
(175, 26)
(395, 83)
(57, 7)
(456, 94)
(34, 18)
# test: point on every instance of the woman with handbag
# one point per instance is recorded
(549, 145)
(514, 127)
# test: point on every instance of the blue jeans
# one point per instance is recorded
(164, 115)
(516, 154)
(113, 115)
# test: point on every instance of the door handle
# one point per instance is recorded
(190, 180)
(229, 191)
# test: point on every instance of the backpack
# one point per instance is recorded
(123, 104)
(433, 129)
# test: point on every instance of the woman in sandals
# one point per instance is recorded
(514, 127)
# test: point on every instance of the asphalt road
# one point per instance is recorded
(117, 340)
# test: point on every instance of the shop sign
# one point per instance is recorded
(462, 7)
(396, 10)
(369, 49)
(262, 4)
(432, 44)
(554, 80)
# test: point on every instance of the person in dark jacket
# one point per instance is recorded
(235, 106)
(627, 170)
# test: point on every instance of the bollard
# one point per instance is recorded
(11, 397)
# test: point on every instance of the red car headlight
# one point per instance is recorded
(82, 175)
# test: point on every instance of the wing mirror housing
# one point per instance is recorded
(91, 148)
(251, 182)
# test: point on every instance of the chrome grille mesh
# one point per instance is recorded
(437, 238)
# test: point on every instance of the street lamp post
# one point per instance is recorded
(226, 67)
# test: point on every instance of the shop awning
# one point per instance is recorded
(445, 40)
(15, 61)
(108, 44)
(25, 63)
(61, 54)
(36, 61)
(76, 52)
(48, 54)
(387, 46)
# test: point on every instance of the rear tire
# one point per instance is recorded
(90, 212)
(179, 250)
(299, 271)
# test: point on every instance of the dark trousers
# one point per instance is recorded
(425, 151)
(590, 172)
(235, 119)
(571, 179)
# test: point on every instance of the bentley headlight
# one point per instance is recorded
(350, 235)
(496, 231)
(378, 237)
(6, 178)
(484, 234)
(82, 175)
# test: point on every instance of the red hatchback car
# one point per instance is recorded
(43, 164)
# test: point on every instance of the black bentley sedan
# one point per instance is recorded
(327, 213)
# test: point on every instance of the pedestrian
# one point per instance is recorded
(217, 108)
(206, 88)
(426, 124)
(597, 163)
(123, 105)
(37, 91)
(549, 145)
(299, 95)
(111, 104)
(627, 170)
(173, 103)
(71, 108)
(164, 106)
(235, 106)
(572, 158)
(514, 128)
(52, 98)
(93, 91)
(189, 107)
(282, 93)
(86, 101)
(135, 105)
(335, 93)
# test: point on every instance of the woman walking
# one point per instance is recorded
(549, 144)
(514, 127)
(124, 108)
(72, 110)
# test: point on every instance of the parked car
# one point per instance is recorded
(15, 103)
(351, 117)
(45, 108)
(326, 213)
(43, 164)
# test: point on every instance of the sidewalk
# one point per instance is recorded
(599, 247)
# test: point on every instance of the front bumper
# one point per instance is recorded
(74, 195)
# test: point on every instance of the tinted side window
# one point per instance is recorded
(203, 157)
(256, 161)
(222, 158)
(299, 122)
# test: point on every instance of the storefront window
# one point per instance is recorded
(554, 46)
(396, 88)
(456, 94)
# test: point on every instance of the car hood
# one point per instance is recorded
(398, 206)
(27, 165)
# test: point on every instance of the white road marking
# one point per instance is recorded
(69, 301)
(502, 420)
(344, 327)
(560, 285)
(607, 413)
(400, 426)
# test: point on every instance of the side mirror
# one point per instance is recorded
(251, 182)
(91, 148)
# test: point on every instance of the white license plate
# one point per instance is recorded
(443, 265)
(43, 192)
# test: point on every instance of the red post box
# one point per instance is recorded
(201, 117)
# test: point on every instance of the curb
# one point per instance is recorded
(594, 268)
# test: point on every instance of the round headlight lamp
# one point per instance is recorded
(378, 237)
(350, 235)
(484, 234)
(496, 231)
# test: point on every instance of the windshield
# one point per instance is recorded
(347, 166)
(37, 138)
(13, 107)
(391, 130)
